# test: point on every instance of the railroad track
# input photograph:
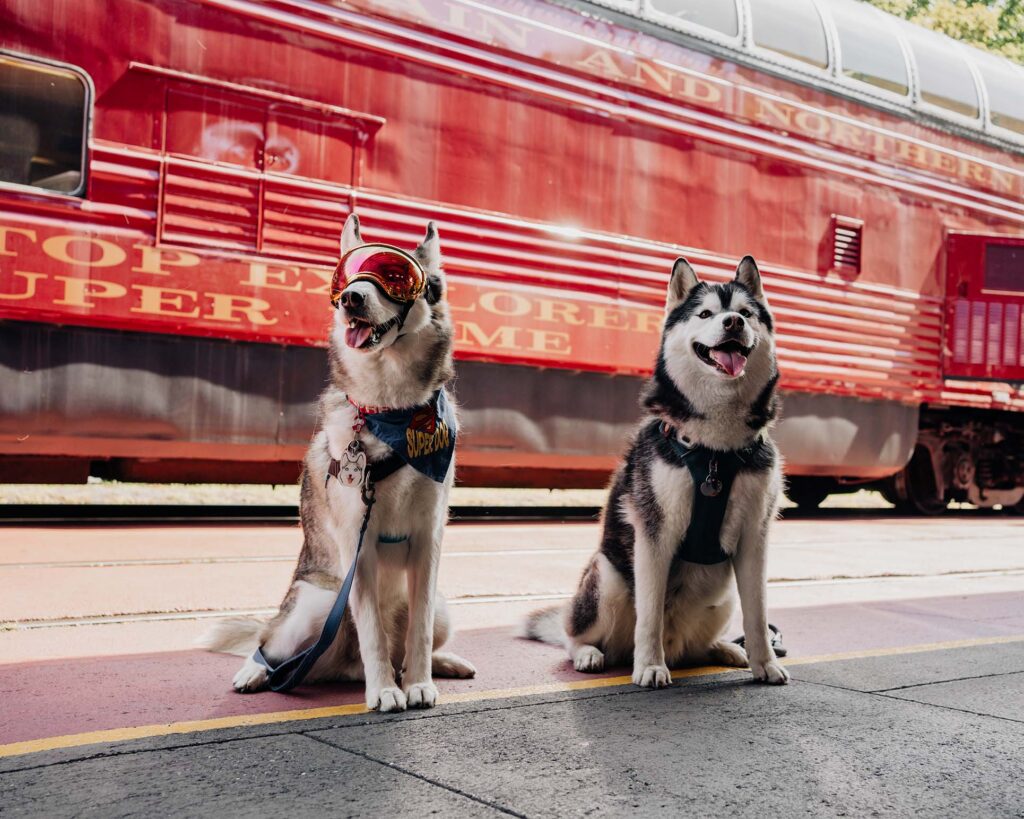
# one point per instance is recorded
(111, 514)
(125, 514)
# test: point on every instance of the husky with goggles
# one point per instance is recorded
(374, 494)
(366, 272)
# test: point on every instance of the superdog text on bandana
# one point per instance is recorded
(423, 437)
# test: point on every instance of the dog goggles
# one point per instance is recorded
(394, 271)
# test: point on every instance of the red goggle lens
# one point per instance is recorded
(394, 271)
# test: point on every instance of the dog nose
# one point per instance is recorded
(733, 322)
(351, 298)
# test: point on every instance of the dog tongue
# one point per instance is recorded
(356, 336)
(732, 363)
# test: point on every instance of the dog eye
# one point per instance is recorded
(745, 313)
(704, 314)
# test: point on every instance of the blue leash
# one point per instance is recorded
(292, 671)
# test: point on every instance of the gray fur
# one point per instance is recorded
(637, 601)
(379, 641)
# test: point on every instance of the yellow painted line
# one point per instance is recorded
(246, 720)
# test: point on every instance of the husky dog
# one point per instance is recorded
(396, 619)
(692, 502)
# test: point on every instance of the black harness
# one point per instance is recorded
(713, 473)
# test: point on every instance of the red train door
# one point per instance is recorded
(984, 307)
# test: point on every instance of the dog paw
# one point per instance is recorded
(652, 676)
(589, 659)
(729, 654)
(446, 664)
(770, 672)
(250, 677)
(421, 695)
(386, 700)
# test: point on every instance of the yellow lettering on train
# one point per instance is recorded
(848, 134)
(547, 341)
(812, 123)
(504, 338)
(7, 231)
(58, 247)
(152, 260)
(30, 286)
(600, 61)
(325, 277)
(775, 113)
(273, 276)
(645, 71)
(698, 89)
(648, 321)
(559, 312)
(609, 318)
(507, 33)
(164, 301)
(79, 292)
(228, 307)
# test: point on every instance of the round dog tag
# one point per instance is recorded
(711, 487)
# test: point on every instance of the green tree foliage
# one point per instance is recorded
(996, 25)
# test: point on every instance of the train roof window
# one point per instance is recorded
(1004, 83)
(791, 28)
(869, 51)
(718, 15)
(42, 125)
(943, 74)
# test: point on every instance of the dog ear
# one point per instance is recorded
(429, 251)
(350, 237)
(680, 283)
(749, 276)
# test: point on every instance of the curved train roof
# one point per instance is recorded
(856, 50)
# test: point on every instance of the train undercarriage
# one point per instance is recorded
(960, 456)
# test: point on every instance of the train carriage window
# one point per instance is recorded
(868, 50)
(943, 75)
(718, 15)
(791, 28)
(42, 125)
(1004, 268)
(1005, 85)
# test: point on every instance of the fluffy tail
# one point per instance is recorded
(233, 635)
(545, 625)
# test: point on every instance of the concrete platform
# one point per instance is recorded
(934, 732)
(906, 646)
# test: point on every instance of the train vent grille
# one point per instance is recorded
(847, 243)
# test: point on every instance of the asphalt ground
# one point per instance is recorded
(906, 647)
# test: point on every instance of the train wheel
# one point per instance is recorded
(807, 493)
(915, 489)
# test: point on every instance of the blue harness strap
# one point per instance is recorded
(291, 672)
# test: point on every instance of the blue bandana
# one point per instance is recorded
(423, 437)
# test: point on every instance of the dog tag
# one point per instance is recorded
(711, 487)
(350, 470)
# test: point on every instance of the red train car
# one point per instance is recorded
(174, 175)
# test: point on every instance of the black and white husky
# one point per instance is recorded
(692, 503)
(396, 619)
